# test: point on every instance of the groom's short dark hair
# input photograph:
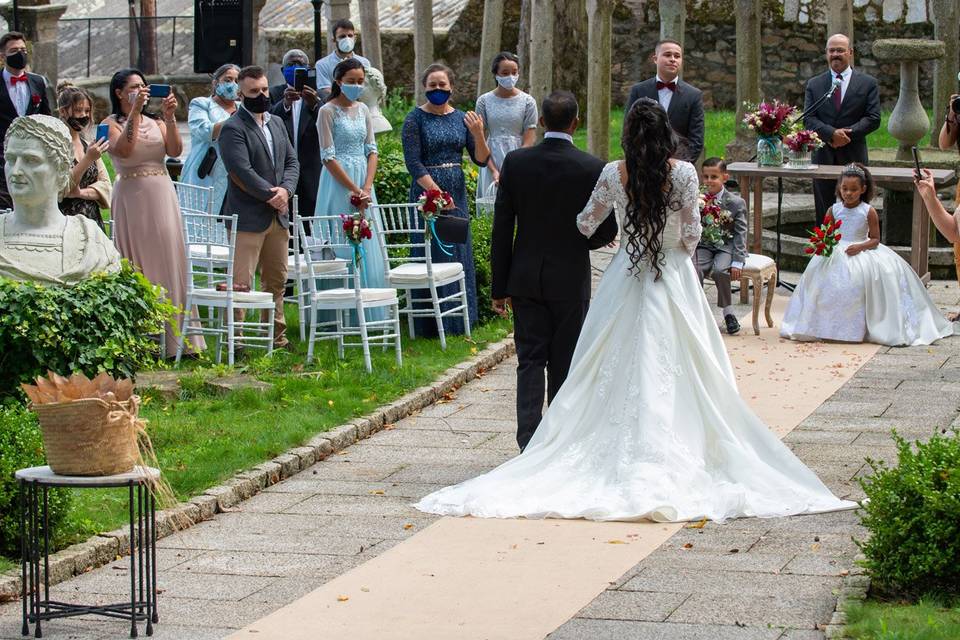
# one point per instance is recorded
(559, 110)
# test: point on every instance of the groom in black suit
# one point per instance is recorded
(21, 94)
(683, 102)
(544, 273)
(843, 120)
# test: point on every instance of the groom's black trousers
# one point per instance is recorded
(546, 333)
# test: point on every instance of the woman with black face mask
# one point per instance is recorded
(91, 188)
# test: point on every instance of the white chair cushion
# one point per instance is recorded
(238, 296)
(218, 252)
(368, 295)
(416, 272)
(319, 266)
(757, 262)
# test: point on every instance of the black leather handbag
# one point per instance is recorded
(452, 229)
(206, 165)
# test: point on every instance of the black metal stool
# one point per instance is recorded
(35, 484)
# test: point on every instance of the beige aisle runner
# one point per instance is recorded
(473, 578)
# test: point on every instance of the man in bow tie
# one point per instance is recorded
(682, 102)
(844, 119)
(21, 94)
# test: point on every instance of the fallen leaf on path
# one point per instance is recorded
(377, 492)
(407, 526)
(365, 589)
(697, 525)
(616, 542)
(689, 545)
(342, 598)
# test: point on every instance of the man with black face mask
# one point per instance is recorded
(21, 94)
(263, 171)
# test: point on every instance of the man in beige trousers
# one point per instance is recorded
(263, 171)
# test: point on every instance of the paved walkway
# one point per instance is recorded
(745, 579)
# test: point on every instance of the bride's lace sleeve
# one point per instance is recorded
(688, 190)
(601, 200)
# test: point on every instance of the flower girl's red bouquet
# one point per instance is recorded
(433, 201)
(824, 238)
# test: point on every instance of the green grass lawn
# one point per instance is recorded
(203, 439)
(892, 621)
(720, 130)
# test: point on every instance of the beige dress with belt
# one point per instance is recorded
(146, 218)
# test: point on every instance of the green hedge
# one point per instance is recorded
(103, 323)
(913, 515)
(21, 446)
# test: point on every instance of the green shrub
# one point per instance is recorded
(482, 228)
(21, 446)
(392, 182)
(101, 324)
(913, 515)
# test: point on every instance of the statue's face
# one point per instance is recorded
(31, 175)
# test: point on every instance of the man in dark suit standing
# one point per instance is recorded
(298, 111)
(263, 172)
(544, 274)
(21, 94)
(683, 102)
(843, 120)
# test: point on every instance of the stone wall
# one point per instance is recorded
(792, 52)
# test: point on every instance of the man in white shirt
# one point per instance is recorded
(683, 102)
(842, 119)
(344, 38)
(263, 172)
(298, 110)
(21, 94)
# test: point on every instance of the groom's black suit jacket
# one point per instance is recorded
(685, 114)
(541, 191)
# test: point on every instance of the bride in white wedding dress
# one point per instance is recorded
(649, 423)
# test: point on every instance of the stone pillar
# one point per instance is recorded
(370, 32)
(946, 24)
(489, 43)
(336, 10)
(908, 124)
(748, 14)
(840, 18)
(673, 17)
(422, 42)
(41, 25)
(540, 67)
(599, 17)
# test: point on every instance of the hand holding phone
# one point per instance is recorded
(159, 90)
(916, 162)
(299, 78)
(103, 131)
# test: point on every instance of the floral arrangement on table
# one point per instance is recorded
(824, 238)
(717, 222)
(772, 122)
(801, 144)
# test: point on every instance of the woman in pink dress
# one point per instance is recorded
(146, 214)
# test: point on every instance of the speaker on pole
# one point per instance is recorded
(222, 33)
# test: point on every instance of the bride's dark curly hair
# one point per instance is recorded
(648, 144)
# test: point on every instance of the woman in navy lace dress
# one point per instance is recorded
(434, 137)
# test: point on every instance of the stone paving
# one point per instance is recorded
(744, 579)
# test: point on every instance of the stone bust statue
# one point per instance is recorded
(374, 93)
(37, 242)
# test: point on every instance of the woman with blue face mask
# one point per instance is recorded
(205, 117)
(435, 135)
(510, 116)
(348, 151)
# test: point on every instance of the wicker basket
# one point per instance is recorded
(90, 437)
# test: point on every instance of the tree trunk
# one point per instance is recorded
(370, 32)
(523, 45)
(946, 21)
(541, 42)
(599, 15)
(422, 42)
(673, 17)
(148, 37)
(489, 43)
(569, 42)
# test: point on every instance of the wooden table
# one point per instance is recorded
(750, 177)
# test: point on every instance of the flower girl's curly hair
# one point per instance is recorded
(859, 171)
(648, 144)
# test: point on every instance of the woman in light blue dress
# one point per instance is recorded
(348, 151)
(205, 117)
(510, 116)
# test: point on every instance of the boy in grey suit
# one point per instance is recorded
(263, 171)
(724, 263)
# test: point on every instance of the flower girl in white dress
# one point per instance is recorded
(863, 291)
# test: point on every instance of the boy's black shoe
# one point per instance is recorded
(733, 325)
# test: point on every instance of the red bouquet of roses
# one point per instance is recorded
(433, 201)
(824, 238)
(356, 227)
